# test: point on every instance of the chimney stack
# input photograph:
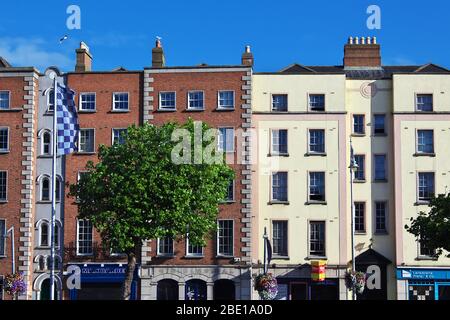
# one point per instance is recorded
(247, 57)
(84, 58)
(158, 59)
(364, 53)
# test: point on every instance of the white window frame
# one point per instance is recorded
(277, 153)
(160, 107)
(233, 183)
(324, 141)
(310, 109)
(271, 187)
(189, 100)
(221, 254)
(363, 167)
(158, 252)
(112, 133)
(9, 100)
(417, 186)
(196, 255)
(272, 109)
(219, 144)
(416, 96)
(7, 176)
(41, 224)
(226, 107)
(49, 94)
(78, 239)
(45, 131)
(79, 141)
(309, 200)
(80, 102)
(114, 101)
(287, 237)
(363, 124)
(41, 187)
(417, 141)
(8, 139)
(364, 231)
(324, 240)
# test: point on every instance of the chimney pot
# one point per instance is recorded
(357, 40)
(369, 40)
(363, 40)
(350, 40)
(247, 57)
(374, 40)
(158, 59)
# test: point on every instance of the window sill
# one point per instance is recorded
(225, 109)
(358, 134)
(119, 111)
(4, 151)
(315, 154)
(360, 233)
(317, 111)
(193, 257)
(380, 181)
(317, 202)
(84, 153)
(45, 156)
(381, 233)
(280, 111)
(166, 110)
(221, 256)
(165, 256)
(310, 257)
(87, 111)
(426, 258)
(11, 110)
(3, 201)
(278, 155)
(278, 202)
(274, 257)
(422, 203)
(359, 181)
(380, 134)
(424, 154)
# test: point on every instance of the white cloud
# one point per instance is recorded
(22, 52)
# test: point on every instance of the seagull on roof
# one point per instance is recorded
(63, 38)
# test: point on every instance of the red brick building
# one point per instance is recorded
(18, 104)
(220, 97)
(107, 102)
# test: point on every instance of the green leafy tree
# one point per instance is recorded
(136, 191)
(433, 228)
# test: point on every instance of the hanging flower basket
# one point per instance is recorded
(355, 280)
(266, 285)
(15, 284)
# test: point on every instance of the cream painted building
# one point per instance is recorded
(304, 118)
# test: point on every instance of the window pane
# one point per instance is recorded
(279, 186)
(317, 102)
(86, 140)
(4, 100)
(44, 234)
(379, 127)
(121, 101)
(46, 143)
(424, 102)
(426, 186)
(280, 238)
(279, 141)
(225, 238)
(226, 99)
(194, 250)
(317, 238)
(84, 243)
(360, 223)
(317, 186)
(226, 139)
(380, 167)
(119, 136)
(50, 100)
(358, 124)
(279, 102)
(195, 100)
(230, 192)
(165, 246)
(4, 139)
(87, 101)
(360, 173)
(380, 216)
(2, 238)
(167, 100)
(425, 141)
(317, 141)
(3, 185)
(45, 189)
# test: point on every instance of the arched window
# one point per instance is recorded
(45, 189)
(195, 290)
(50, 100)
(56, 236)
(167, 289)
(41, 263)
(224, 289)
(46, 143)
(44, 233)
(58, 189)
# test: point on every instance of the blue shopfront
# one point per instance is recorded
(103, 282)
(425, 283)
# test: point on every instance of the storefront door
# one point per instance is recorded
(299, 291)
(443, 291)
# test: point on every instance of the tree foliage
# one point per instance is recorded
(433, 228)
(135, 192)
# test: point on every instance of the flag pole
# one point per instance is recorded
(352, 168)
(52, 232)
(265, 250)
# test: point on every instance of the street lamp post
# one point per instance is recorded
(13, 250)
(353, 167)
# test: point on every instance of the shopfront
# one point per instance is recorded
(306, 289)
(424, 284)
(103, 282)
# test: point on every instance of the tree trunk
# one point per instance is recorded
(126, 289)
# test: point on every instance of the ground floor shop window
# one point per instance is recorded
(421, 290)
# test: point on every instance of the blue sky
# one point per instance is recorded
(122, 33)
